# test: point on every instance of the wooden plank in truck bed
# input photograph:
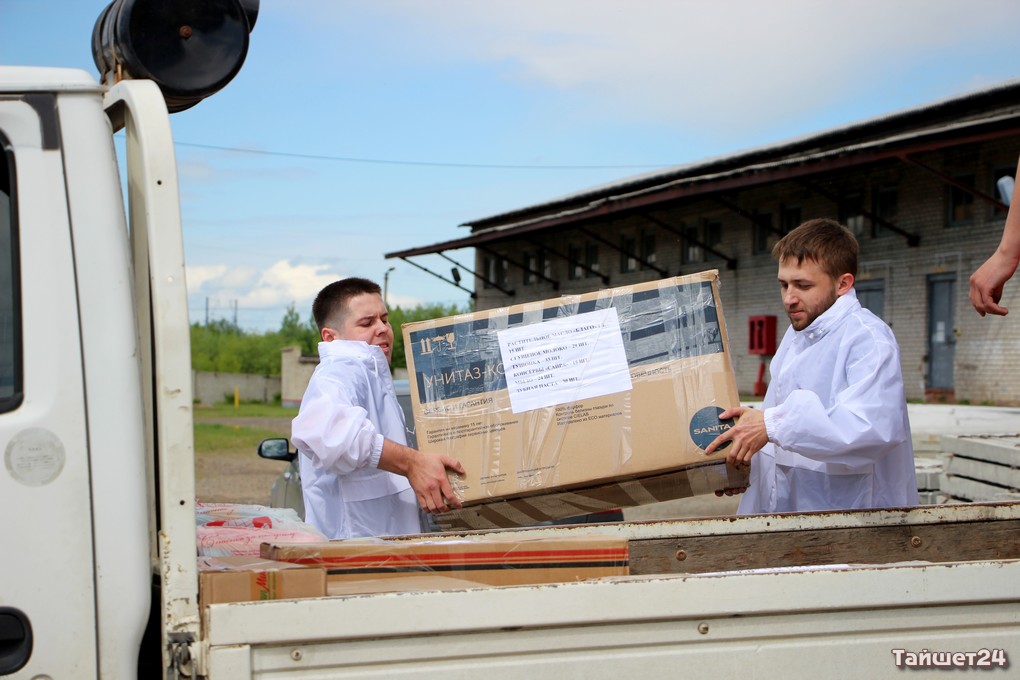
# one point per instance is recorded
(933, 533)
(981, 540)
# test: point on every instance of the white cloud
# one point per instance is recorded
(269, 290)
(280, 284)
(403, 301)
(689, 62)
(198, 276)
(295, 282)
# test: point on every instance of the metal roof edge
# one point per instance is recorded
(821, 140)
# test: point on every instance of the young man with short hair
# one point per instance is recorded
(358, 475)
(832, 433)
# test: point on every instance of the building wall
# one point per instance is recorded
(215, 388)
(987, 351)
(296, 370)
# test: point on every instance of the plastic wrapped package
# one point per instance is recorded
(237, 578)
(240, 529)
(577, 404)
(444, 563)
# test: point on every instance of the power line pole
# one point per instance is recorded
(386, 287)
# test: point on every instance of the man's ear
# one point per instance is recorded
(328, 335)
(844, 283)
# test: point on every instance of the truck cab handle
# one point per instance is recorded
(15, 640)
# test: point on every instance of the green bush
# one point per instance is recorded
(222, 347)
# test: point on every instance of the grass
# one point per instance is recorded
(229, 438)
(235, 438)
(244, 410)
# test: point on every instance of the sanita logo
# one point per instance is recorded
(712, 429)
(705, 426)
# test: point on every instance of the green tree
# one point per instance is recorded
(222, 347)
(400, 316)
(295, 332)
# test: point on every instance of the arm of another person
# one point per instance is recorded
(987, 282)
(339, 435)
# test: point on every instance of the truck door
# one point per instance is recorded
(47, 598)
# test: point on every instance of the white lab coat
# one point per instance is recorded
(836, 417)
(347, 410)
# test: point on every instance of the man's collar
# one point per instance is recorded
(831, 317)
(357, 348)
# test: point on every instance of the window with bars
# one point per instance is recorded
(851, 213)
(961, 202)
(575, 262)
(762, 233)
(712, 239)
(628, 254)
(647, 249)
(497, 272)
(886, 207)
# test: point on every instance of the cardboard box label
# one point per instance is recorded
(564, 360)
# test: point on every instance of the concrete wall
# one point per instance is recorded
(296, 370)
(987, 351)
(213, 388)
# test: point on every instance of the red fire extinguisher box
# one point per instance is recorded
(761, 335)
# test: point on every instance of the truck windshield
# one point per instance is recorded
(10, 304)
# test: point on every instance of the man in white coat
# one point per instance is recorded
(832, 433)
(358, 476)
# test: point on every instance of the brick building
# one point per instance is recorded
(921, 189)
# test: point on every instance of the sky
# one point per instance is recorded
(361, 127)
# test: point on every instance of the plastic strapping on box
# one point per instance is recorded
(637, 491)
(501, 514)
(567, 504)
(694, 480)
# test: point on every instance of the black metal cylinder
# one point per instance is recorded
(190, 48)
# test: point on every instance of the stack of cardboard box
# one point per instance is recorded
(243, 578)
(444, 563)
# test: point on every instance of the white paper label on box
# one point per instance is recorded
(564, 360)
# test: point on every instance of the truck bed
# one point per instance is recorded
(720, 596)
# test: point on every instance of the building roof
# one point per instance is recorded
(985, 114)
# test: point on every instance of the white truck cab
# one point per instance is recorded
(72, 425)
(87, 304)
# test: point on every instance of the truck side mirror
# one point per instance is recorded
(277, 448)
(190, 48)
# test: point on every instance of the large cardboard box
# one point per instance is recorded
(577, 404)
(244, 578)
(442, 563)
